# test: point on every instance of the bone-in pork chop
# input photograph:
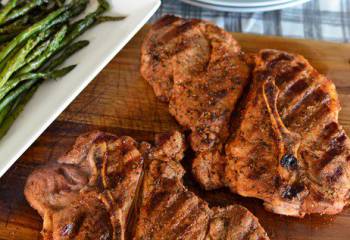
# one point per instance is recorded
(97, 191)
(201, 71)
(168, 210)
(290, 150)
(89, 192)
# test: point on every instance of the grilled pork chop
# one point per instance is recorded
(200, 70)
(234, 222)
(89, 192)
(96, 191)
(167, 210)
(290, 150)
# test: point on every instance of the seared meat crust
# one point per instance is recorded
(83, 219)
(208, 168)
(200, 69)
(290, 150)
(97, 191)
(89, 192)
(167, 209)
(234, 222)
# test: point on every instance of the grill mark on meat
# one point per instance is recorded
(329, 130)
(305, 97)
(185, 222)
(310, 99)
(165, 21)
(223, 226)
(109, 214)
(216, 96)
(162, 199)
(277, 181)
(176, 31)
(212, 59)
(313, 119)
(115, 178)
(296, 87)
(184, 199)
(291, 95)
(308, 107)
(336, 148)
(332, 179)
(281, 57)
(226, 228)
(290, 74)
(156, 200)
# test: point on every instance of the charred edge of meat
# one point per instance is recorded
(72, 229)
(289, 161)
(164, 21)
(291, 191)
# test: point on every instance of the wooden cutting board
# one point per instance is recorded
(121, 102)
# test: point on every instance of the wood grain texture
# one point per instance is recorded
(121, 102)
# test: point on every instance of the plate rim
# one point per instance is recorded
(245, 9)
(242, 4)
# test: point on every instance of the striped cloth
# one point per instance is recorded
(318, 19)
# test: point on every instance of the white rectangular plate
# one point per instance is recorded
(106, 40)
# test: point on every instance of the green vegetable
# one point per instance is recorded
(37, 51)
(7, 37)
(23, 10)
(78, 6)
(39, 26)
(4, 113)
(15, 93)
(53, 46)
(18, 60)
(16, 26)
(28, 84)
(67, 52)
(101, 19)
(81, 26)
(5, 11)
(15, 81)
(16, 110)
(32, 47)
(11, 84)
